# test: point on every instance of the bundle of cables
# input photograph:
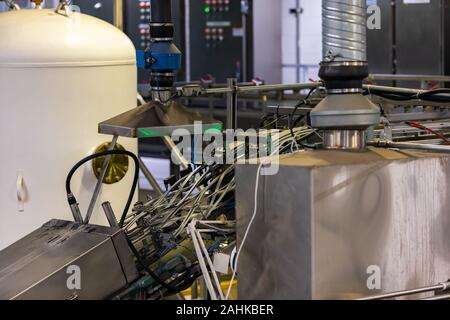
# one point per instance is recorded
(438, 95)
(157, 228)
(429, 130)
(188, 276)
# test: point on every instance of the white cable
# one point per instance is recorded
(201, 262)
(210, 263)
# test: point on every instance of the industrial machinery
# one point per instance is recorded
(231, 37)
(72, 248)
(218, 45)
(356, 207)
(357, 212)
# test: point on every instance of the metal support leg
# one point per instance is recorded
(98, 186)
(148, 175)
(176, 152)
(297, 11)
(232, 104)
(245, 7)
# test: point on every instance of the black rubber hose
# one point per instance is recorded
(161, 11)
(104, 154)
(127, 207)
(438, 95)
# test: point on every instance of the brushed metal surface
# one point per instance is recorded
(344, 140)
(328, 216)
(36, 267)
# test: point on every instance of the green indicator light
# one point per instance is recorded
(207, 10)
(147, 133)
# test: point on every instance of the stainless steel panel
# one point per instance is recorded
(268, 269)
(35, 267)
(328, 216)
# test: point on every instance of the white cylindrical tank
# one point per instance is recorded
(59, 77)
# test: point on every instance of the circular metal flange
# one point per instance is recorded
(118, 165)
(347, 90)
(347, 140)
(345, 111)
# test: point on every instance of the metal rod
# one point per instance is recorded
(109, 213)
(370, 87)
(187, 37)
(268, 87)
(297, 39)
(409, 77)
(410, 146)
(232, 104)
(400, 90)
(176, 153)
(148, 175)
(98, 186)
(438, 287)
(280, 87)
(439, 297)
(244, 12)
(210, 263)
(118, 14)
(202, 263)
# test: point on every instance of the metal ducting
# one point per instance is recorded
(344, 112)
(344, 30)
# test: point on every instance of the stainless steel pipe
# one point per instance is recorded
(438, 287)
(411, 146)
(345, 140)
(263, 88)
(109, 213)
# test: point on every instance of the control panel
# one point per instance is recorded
(138, 15)
(220, 31)
(137, 18)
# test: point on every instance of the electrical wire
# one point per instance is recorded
(422, 127)
(150, 271)
(135, 159)
(170, 214)
(301, 103)
(252, 219)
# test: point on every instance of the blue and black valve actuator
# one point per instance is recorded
(162, 57)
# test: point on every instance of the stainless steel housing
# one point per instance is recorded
(39, 266)
(329, 220)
